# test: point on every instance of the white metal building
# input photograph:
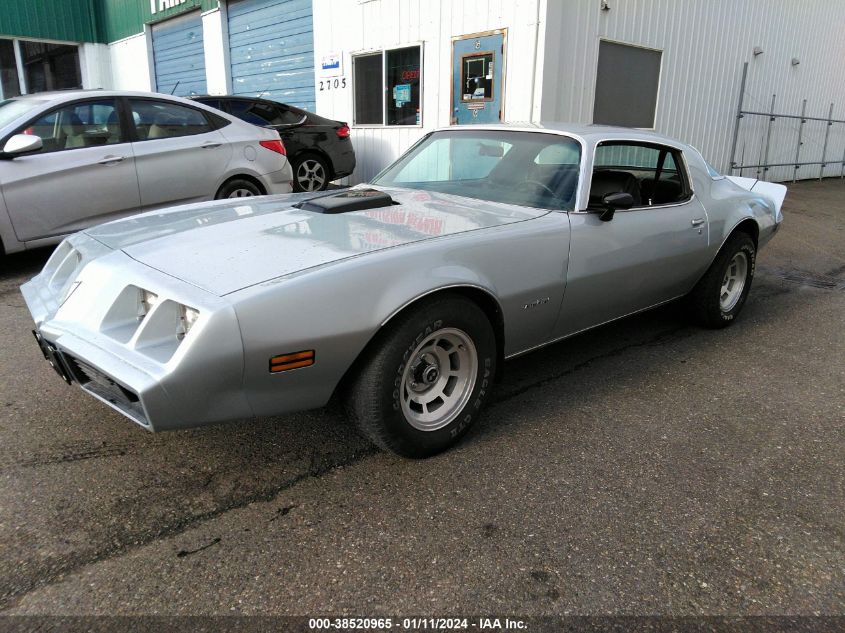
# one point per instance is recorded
(671, 65)
(395, 69)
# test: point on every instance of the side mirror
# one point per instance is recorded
(613, 201)
(20, 144)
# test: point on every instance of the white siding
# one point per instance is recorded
(95, 65)
(704, 44)
(214, 48)
(350, 26)
(130, 63)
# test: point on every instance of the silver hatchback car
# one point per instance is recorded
(73, 159)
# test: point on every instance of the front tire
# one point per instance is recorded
(425, 378)
(720, 294)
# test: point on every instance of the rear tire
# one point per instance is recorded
(424, 379)
(310, 173)
(720, 294)
(238, 188)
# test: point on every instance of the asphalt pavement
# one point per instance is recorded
(646, 467)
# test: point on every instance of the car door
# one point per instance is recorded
(179, 155)
(83, 175)
(645, 255)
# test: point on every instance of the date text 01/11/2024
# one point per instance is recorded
(416, 624)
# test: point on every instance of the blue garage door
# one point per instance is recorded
(271, 49)
(178, 55)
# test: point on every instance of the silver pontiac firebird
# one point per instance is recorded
(404, 295)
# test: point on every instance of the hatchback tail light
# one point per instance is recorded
(343, 132)
(274, 146)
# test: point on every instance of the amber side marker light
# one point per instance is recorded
(291, 361)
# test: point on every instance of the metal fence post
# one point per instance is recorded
(842, 171)
(826, 135)
(738, 115)
(800, 134)
(768, 138)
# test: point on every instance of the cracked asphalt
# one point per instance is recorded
(647, 467)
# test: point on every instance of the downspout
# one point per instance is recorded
(534, 63)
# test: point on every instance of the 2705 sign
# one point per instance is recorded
(332, 84)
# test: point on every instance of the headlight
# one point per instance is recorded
(147, 302)
(187, 318)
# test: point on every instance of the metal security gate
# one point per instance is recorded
(810, 153)
(178, 55)
(271, 50)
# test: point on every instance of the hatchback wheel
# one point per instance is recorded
(310, 173)
(238, 188)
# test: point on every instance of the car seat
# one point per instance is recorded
(661, 191)
(73, 131)
(113, 127)
(610, 181)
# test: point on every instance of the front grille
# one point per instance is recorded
(106, 388)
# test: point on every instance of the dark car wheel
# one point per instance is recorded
(310, 173)
(719, 296)
(425, 378)
(238, 188)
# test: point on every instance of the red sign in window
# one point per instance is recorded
(408, 75)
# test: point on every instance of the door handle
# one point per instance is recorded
(210, 145)
(697, 221)
(111, 159)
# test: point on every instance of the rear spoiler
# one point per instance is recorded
(772, 191)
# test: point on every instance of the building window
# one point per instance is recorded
(626, 85)
(477, 76)
(387, 87)
(50, 66)
(368, 89)
(9, 83)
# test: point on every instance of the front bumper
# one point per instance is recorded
(72, 369)
(157, 380)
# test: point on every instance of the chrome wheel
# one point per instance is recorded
(240, 193)
(733, 282)
(311, 175)
(439, 379)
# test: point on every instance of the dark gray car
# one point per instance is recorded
(319, 149)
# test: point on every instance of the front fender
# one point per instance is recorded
(337, 309)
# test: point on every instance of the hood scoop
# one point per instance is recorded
(351, 200)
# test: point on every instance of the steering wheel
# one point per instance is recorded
(536, 183)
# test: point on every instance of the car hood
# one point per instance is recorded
(226, 246)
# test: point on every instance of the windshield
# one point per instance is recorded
(11, 109)
(532, 169)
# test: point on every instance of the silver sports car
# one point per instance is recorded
(404, 295)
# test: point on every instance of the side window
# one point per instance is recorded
(290, 116)
(254, 112)
(712, 171)
(212, 103)
(653, 175)
(161, 119)
(86, 124)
